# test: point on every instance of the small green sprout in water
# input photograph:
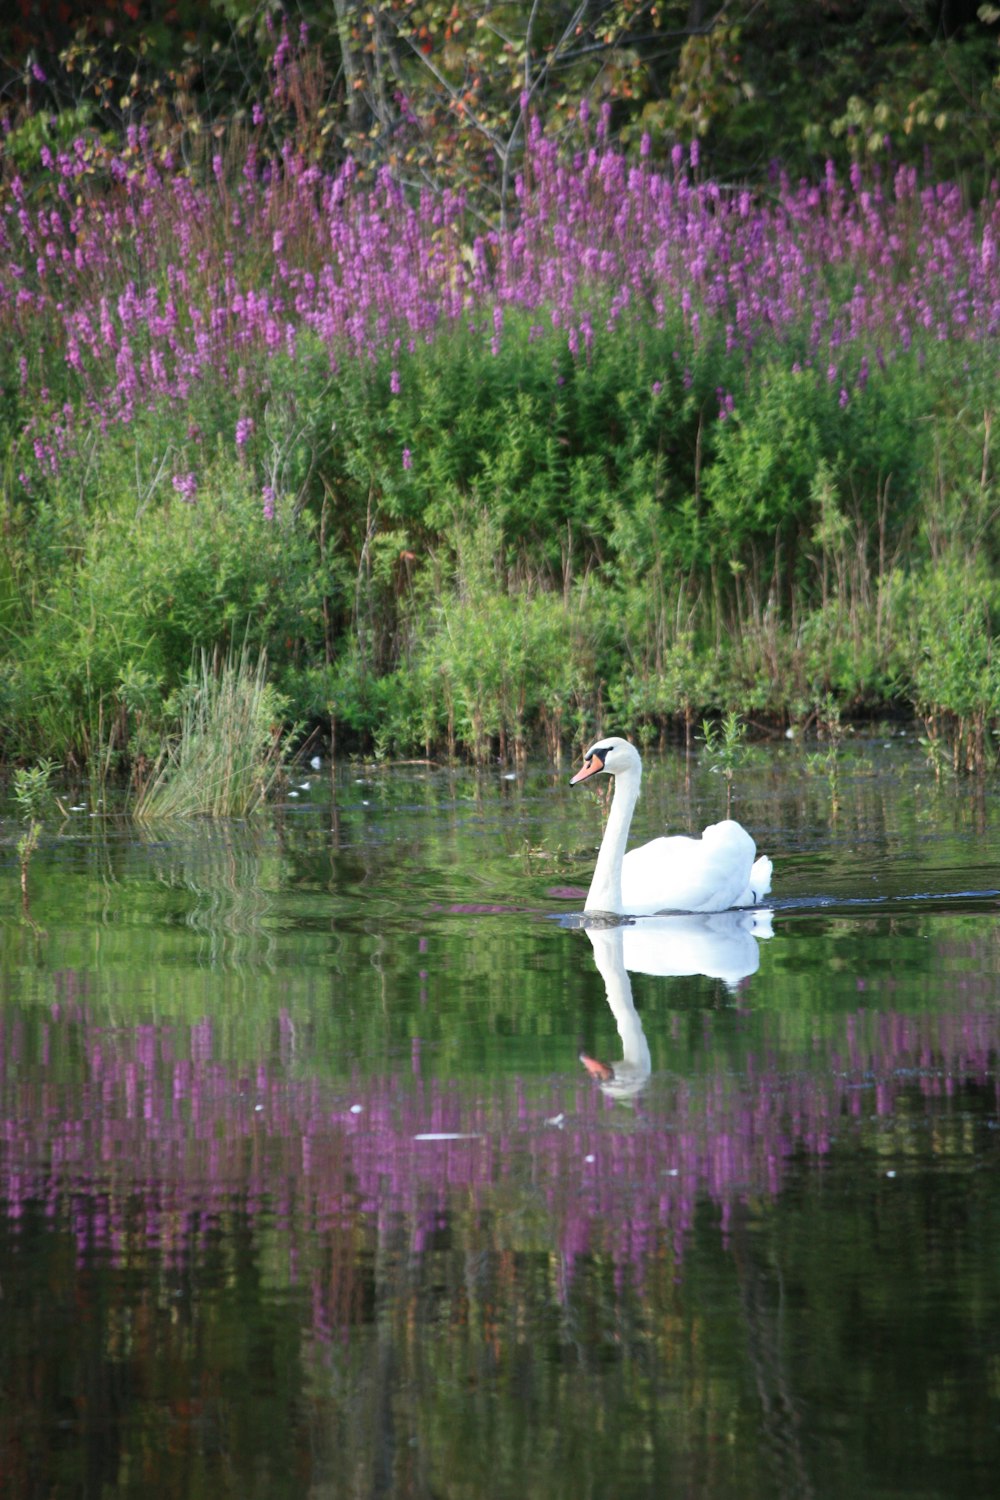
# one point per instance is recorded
(31, 790)
(727, 749)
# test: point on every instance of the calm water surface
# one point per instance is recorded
(305, 1189)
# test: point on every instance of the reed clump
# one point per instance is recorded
(229, 746)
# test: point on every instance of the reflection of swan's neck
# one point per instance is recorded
(605, 892)
(630, 1074)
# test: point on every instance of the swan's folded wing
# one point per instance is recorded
(685, 874)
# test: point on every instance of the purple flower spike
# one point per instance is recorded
(186, 486)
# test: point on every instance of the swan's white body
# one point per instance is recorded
(714, 873)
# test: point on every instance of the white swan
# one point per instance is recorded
(713, 873)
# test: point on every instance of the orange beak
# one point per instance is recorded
(589, 768)
(596, 1069)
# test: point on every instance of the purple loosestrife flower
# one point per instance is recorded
(244, 429)
(186, 486)
(268, 496)
(394, 383)
(407, 459)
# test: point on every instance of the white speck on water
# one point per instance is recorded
(315, 762)
(446, 1135)
(557, 1121)
(293, 794)
(357, 1109)
(590, 1157)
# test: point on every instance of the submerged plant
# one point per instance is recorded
(229, 747)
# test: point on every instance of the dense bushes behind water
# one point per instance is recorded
(658, 449)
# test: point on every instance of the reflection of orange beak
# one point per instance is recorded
(598, 1070)
(589, 768)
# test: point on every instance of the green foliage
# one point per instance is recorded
(953, 611)
(115, 602)
(32, 787)
(23, 144)
(228, 748)
(727, 749)
(31, 790)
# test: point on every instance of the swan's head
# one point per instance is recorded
(612, 755)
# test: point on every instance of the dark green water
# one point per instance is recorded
(305, 1191)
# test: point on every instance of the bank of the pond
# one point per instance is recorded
(656, 449)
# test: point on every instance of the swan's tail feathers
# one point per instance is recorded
(760, 883)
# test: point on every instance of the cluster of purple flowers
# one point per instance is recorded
(137, 283)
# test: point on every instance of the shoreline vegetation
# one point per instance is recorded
(656, 449)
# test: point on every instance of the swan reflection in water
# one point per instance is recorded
(721, 945)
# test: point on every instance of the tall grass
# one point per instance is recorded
(229, 747)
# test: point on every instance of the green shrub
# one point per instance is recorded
(114, 604)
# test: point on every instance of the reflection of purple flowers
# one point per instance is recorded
(152, 1134)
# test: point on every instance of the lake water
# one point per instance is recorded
(305, 1189)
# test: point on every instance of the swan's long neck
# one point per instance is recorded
(605, 892)
(635, 1066)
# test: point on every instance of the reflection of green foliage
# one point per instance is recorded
(241, 989)
(827, 762)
